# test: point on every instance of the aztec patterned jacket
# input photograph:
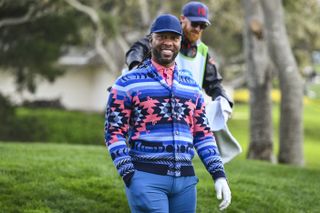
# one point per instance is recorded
(153, 127)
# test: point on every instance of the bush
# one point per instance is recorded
(29, 128)
(7, 114)
(49, 125)
(242, 96)
(60, 126)
(38, 104)
(15, 128)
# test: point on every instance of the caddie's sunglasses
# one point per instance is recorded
(202, 25)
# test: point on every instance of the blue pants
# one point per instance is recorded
(158, 193)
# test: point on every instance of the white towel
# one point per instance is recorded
(218, 112)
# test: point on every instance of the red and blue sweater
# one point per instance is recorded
(153, 127)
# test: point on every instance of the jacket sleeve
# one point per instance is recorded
(137, 52)
(117, 120)
(204, 142)
(212, 81)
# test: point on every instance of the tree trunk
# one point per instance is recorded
(259, 82)
(291, 129)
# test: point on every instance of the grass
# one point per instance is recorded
(58, 178)
(44, 177)
(239, 127)
(78, 178)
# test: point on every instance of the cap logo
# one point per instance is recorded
(201, 11)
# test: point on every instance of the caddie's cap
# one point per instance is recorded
(196, 12)
(166, 23)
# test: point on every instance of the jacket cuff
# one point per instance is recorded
(218, 174)
(127, 178)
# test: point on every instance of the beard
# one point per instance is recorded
(191, 35)
(162, 58)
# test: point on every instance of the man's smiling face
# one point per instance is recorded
(165, 47)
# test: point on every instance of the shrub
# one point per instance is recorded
(26, 129)
(243, 96)
(7, 113)
(49, 125)
(61, 126)
(15, 128)
(38, 104)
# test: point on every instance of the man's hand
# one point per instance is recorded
(223, 191)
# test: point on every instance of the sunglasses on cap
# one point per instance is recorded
(202, 25)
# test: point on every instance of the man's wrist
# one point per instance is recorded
(127, 178)
(218, 174)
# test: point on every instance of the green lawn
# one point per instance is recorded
(239, 126)
(46, 177)
(81, 178)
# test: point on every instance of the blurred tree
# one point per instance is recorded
(291, 85)
(302, 19)
(117, 24)
(32, 34)
(32, 37)
(259, 78)
(225, 35)
(51, 25)
(265, 35)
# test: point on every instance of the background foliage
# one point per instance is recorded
(31, 48)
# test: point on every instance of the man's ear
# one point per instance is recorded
(150, 38)
(182, 18)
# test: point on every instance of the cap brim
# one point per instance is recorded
(165, 30)
(198, 19)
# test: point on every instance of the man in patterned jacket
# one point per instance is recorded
(160, 111)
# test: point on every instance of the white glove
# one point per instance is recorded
(223, 191)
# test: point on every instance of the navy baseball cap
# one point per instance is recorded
(166, 23)
(196, 12)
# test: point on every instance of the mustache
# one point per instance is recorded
(195, 31)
